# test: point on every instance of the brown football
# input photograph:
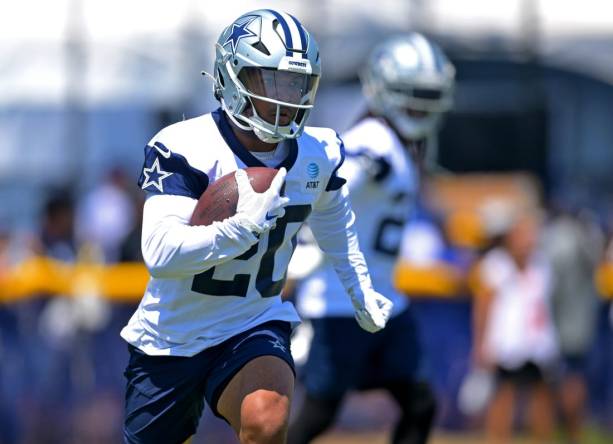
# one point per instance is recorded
(219, 200)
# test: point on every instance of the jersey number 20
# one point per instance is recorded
(264, 283)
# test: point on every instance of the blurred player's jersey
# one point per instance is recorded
(383, 184)
(185, 316)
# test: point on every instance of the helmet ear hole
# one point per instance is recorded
(261, 47)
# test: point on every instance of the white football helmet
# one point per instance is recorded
(267, 72)
(410, 81)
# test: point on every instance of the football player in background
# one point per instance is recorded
(408, 84)
(211, 325)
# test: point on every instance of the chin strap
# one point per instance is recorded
(265, 137)
(261, 134)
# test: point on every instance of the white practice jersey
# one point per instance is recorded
(383, 184)
(519, 326)
(209, 283)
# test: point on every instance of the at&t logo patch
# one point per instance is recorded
(313, 173)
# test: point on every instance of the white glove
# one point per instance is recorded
(372, 310)
(260, 210)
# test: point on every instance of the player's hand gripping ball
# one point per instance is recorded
(220, 200)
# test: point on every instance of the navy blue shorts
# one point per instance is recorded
(165, 394)
(344, 357)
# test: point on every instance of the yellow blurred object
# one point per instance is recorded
(462, 198)
(120, 282)
(126, 282)
(604, 279)
(464, 229)
(474, 281)
(438, 279)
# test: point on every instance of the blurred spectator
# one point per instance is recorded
(57, 238)
(514, 331)
(105, 216)
(42, 382)
(57, 241)
(130, 249)
(5, 241)
(65, 345)
(574, 246)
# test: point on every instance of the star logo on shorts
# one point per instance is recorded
(278, 344)
(155, 175)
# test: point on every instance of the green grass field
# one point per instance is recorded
(592, 436)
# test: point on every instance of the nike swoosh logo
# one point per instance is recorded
(268, 217)
(165, 152)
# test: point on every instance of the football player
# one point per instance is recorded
(408, 84)
(212, 325)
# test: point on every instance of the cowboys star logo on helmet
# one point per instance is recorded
(238, 31)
